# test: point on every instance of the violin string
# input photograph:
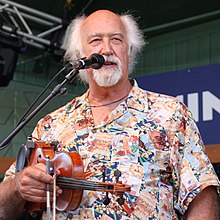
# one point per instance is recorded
(63, 179)
(77, 186)
(83, 184)
(83, 188)
(80, 186)
(74, 183)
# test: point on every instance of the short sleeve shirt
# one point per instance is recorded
(150, 138)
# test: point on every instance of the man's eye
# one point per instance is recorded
(115, 39)
(95, 40)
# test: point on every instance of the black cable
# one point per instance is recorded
(35, 101)
(40, 95)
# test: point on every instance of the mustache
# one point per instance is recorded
(112, 59)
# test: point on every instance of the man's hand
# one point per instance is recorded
(31, 183)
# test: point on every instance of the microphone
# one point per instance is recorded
(95, 61)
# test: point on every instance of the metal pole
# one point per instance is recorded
(183, 21)
(33, 11)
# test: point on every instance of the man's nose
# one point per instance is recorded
(107, 48)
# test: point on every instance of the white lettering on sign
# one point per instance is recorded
(210, 102)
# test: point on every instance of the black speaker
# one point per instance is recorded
(8, 60)
(10, 46)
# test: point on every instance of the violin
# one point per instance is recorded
(71, 178)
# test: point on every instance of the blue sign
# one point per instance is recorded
(199, 89)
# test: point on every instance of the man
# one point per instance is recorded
(148, 138)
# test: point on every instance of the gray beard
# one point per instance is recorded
(107, 78)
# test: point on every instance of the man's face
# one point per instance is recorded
(104, 33)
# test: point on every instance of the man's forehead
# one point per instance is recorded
(101, 29)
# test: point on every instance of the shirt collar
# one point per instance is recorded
(137, 98)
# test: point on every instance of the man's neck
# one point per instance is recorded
(112, 93)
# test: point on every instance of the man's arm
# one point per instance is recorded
(27, 185)
(206, 205)
(11, 203)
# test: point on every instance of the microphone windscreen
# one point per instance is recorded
(98, 60)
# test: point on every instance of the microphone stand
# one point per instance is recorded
(57, 90)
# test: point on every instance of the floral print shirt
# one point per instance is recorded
(150, 138)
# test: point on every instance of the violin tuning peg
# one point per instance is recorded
(121, 200)
(117, 174)
(104, 172)
(106, 200)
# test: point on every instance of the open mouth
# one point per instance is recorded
(107, 63)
